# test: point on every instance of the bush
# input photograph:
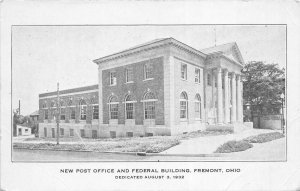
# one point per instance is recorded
(262, 138)
(234, 146)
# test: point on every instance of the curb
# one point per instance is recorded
(131, 153)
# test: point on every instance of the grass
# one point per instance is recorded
(236, 146)
(266, 137)
(153, 144)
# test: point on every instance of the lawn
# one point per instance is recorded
(153, 144)
(242, 145)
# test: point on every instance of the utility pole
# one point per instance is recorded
(19, 107)
(58, 114)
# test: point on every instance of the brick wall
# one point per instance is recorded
(137, 89)
(90, 98)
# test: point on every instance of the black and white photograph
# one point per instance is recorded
(151, 93)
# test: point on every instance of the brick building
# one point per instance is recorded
(162, 87)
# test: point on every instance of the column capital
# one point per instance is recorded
(232, 75)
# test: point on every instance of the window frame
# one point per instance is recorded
(97, 113)
(149, 101)
(197, 75)
(198, 106)
(82, 110)
(148, 71)
(183, 102)
(183, 71)
(129, 75)
(209, 80)
(62, 113)
(114, 104)
(112, 79)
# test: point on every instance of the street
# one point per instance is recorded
(270, 151)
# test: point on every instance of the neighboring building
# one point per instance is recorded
(163, 87)
(23, 131)
(35, 116)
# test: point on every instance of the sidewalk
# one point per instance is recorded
(207, 145)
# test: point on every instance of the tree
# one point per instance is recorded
(263, 84)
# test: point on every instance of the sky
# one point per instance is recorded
(45, 55)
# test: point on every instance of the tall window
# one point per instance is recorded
(95, 112)
(129, 107)
(197, 106)
(183, 71)
(82, 107)
(183, 105)
(208, 79)
(72, 113)
(197, 75)
(129, 74)
(46, 114)
(148, 71)
(149, 106)
(62, 113)
(44, 105)
(113, 107)
(112, 78)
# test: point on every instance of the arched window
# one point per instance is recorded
(82, 107)
(149, 105)
(129, 107)
(197, 106)
(113, 107)
(183, 105)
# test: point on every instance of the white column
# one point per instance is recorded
(220, 96)
(204, 96)
(226, 98)
(233, 98)
(213, 92)
(239, 99)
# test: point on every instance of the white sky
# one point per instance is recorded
(45, 55)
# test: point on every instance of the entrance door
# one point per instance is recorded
(53, 133)
(94, 134)
(20, 131)
(45, 132)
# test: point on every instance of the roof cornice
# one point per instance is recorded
(151, 46)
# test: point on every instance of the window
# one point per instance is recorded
(149, 106)
(197, 75)
(45, 132)
(129, 107)
(112, 78)
(197, 106)
(183, 71)
(44, 105)
(208, 79)
(183, 105)
(82, 133)
(129, 74)
(53, 133)
(71, 132)
(94, 134)
(46, 114)
(82, 106)
(95, 112)
(129, 134)
(148, 71)
(62, 132)
(113, 134)
(113, 107)
(52, 104)
(62, 113)
(26, 130)
(72, 113)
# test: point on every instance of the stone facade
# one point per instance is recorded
(163, 87)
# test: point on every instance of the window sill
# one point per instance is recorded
(112, 85)
(184, 79)
(148, 79)
(197, 83)
(131, 82)
(184, 120)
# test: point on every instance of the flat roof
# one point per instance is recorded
(67, 91)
